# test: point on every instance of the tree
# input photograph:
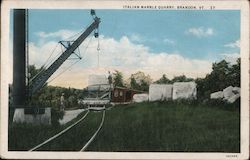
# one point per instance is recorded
(33, 71)
(133, 83)
(234, 74)
(182, 78)
(118, 79)
(140, 81)
(163, 80)
(222, 76)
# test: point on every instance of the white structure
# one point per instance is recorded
(101, 87)
(98, 91)
(229, 94)
(236, 90)
(233, 98)
(98, 82)
(216, 95)
(21, 117)
(160, 92)
(184, 90)
(140, 98)
(97, 79)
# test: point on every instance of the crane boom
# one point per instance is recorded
(39, 81)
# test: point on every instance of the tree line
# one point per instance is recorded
(223, 75)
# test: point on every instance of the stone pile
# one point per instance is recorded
(229, 94)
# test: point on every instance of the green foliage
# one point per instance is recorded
(140, 81)
(118, 79)
(50, 95)
(163, 80)
(181, 78)
(33, 71)
(222, 76)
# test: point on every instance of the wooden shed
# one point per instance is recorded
(122, 94)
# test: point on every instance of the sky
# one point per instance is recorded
(171, 42)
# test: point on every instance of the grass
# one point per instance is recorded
(163, 126)
(154, 126)
(22, 137)
(74, 139)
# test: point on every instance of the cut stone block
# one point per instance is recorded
(236, 90)
(160, 92)
(140, 98)
(233, 98)
(228, 92)
(184, 90)
(216, 95)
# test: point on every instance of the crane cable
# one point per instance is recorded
(98, 51)
(64, 71)
(72, 63)
(46, 64)
(52, 60)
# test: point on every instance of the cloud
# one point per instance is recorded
(169, 41)
(200, 32)
(122, 55)
(62, 34)
(235, 44)
(231, 57)
(136, 38)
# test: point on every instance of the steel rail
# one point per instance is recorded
(58, 134)
(94, 135)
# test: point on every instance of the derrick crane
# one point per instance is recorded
(38, 82)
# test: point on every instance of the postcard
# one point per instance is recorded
(124, 79)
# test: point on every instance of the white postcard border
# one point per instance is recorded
(73, 4)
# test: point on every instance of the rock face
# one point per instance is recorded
(140, 98)
(160, 92)
(21, 117)
(184, 90)
(216, 95)
(229, 94)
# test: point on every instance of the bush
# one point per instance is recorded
(223, 104)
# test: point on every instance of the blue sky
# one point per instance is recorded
(190, 36)
(152, 27)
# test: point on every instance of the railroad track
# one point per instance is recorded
(50, 140)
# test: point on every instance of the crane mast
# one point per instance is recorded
(39, 81)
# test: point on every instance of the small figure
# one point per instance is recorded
(62, 102)
(110, 78)
(110, 83)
